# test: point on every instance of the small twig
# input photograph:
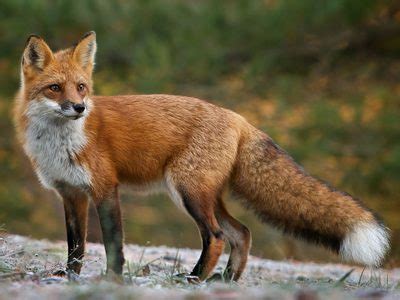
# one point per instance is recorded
(359, 280)
(175, 262)
(344, 277)
(139, 266)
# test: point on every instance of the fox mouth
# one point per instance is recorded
(70, 116)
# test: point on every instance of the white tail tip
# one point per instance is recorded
(367, 244)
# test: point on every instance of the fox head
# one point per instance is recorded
(58, 85)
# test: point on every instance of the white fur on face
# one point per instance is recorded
(71, 113)
(53, 141)
(367, 244)
(48, 108)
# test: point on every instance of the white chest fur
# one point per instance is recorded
(53, 143)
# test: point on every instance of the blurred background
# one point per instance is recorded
(320, 77)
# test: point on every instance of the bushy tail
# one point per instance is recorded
(281, 193)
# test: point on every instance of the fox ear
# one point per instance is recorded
(37, 54)
(85, 51)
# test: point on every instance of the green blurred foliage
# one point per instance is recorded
(321, 77)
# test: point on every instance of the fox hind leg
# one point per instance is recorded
(195, 179)
(211, 234)
(239, 239)
(200, 207)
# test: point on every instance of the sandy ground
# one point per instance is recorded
(26, 266)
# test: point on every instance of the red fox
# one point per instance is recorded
(83, 147)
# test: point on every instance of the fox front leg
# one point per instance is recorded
(76, 206)
(108, 209)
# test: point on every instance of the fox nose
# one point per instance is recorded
(78, 107)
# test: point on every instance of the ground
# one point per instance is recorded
(26, 267)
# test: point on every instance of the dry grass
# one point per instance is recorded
(26, 268)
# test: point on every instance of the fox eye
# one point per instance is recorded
(81, 87)
(55, 88)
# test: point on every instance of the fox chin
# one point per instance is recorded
(84, 146)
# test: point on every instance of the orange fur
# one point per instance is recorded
(196, 150)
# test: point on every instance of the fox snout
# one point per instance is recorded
(77, 107)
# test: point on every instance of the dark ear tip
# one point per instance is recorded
(32, 36)
(89, 33)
